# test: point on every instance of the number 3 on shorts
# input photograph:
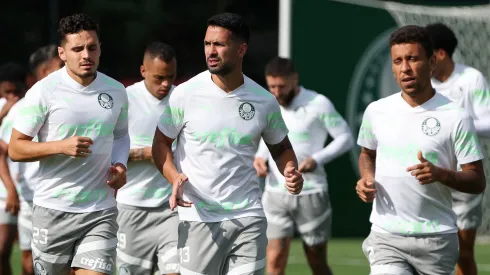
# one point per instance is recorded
(39, 235)
(184, 254)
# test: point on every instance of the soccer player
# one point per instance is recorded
(80, 118)
(44, 61)
(12, 85)
(11, 73)
(147, 227)
(219, 117)
(467, 87)
(310, 118)
(411, 144)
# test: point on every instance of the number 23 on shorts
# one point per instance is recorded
(39, 235)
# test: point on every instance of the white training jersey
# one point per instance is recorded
(57, 108)
(445, 134)
(310, 118)
(26, 172)
(145, 186)
(470, 90)
(218, 135)
(5, 137)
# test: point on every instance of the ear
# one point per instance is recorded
(143, 71)
(62, 54)
(242, 50)
(432, 62)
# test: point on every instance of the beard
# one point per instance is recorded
(222, 70)
(286, 99)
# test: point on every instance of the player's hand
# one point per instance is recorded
(366, 189)
(294, 180)
(76, 146)
(12, 203)
(260, 166)
(10, 103)
(117, 176)
(425, 172)
(176, 199)
(307, 165)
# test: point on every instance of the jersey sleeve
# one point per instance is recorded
(275, 130)
(33, 113)
(171, 121)
(466, 146)
(121, 128)
(480, 100)
(366, 137)
(333, 122)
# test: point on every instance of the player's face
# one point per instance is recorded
(159, 76)
(8, 90)
(81, 53)
(411, 67)
(283, 88)
(223, 52)
(50, 66)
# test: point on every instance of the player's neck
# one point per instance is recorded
(445, 71)
(229, 82)
(84, 81)
(420, 98)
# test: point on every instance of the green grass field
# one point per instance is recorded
(345, 258)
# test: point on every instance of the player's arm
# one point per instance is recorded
(470, 180)
(163, 156)
(120, 148)
(138, 154)
(365, 186)
(281, 150)
(12, 201)
(339, 130)
(367, 162)
(23, 149)
(283, 154)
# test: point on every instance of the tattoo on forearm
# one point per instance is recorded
(136, 154)
(276, 150)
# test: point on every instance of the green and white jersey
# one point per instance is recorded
(56, 108)
(310, 118)
(25, 173)
(445, 134)
(145, 186)
(469, 89)
(218, 134)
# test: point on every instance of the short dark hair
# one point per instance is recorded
(232, 22)
(75, 24)
(413, 34)
(442, 38)
(280, 66)
(15, 73)
(42, 55)
(161, 51)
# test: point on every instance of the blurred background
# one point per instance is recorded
(340, 49)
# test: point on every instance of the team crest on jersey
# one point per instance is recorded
(246, 111)
(123, 271)
(105, 101)
(431, 126)
(39, 268)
